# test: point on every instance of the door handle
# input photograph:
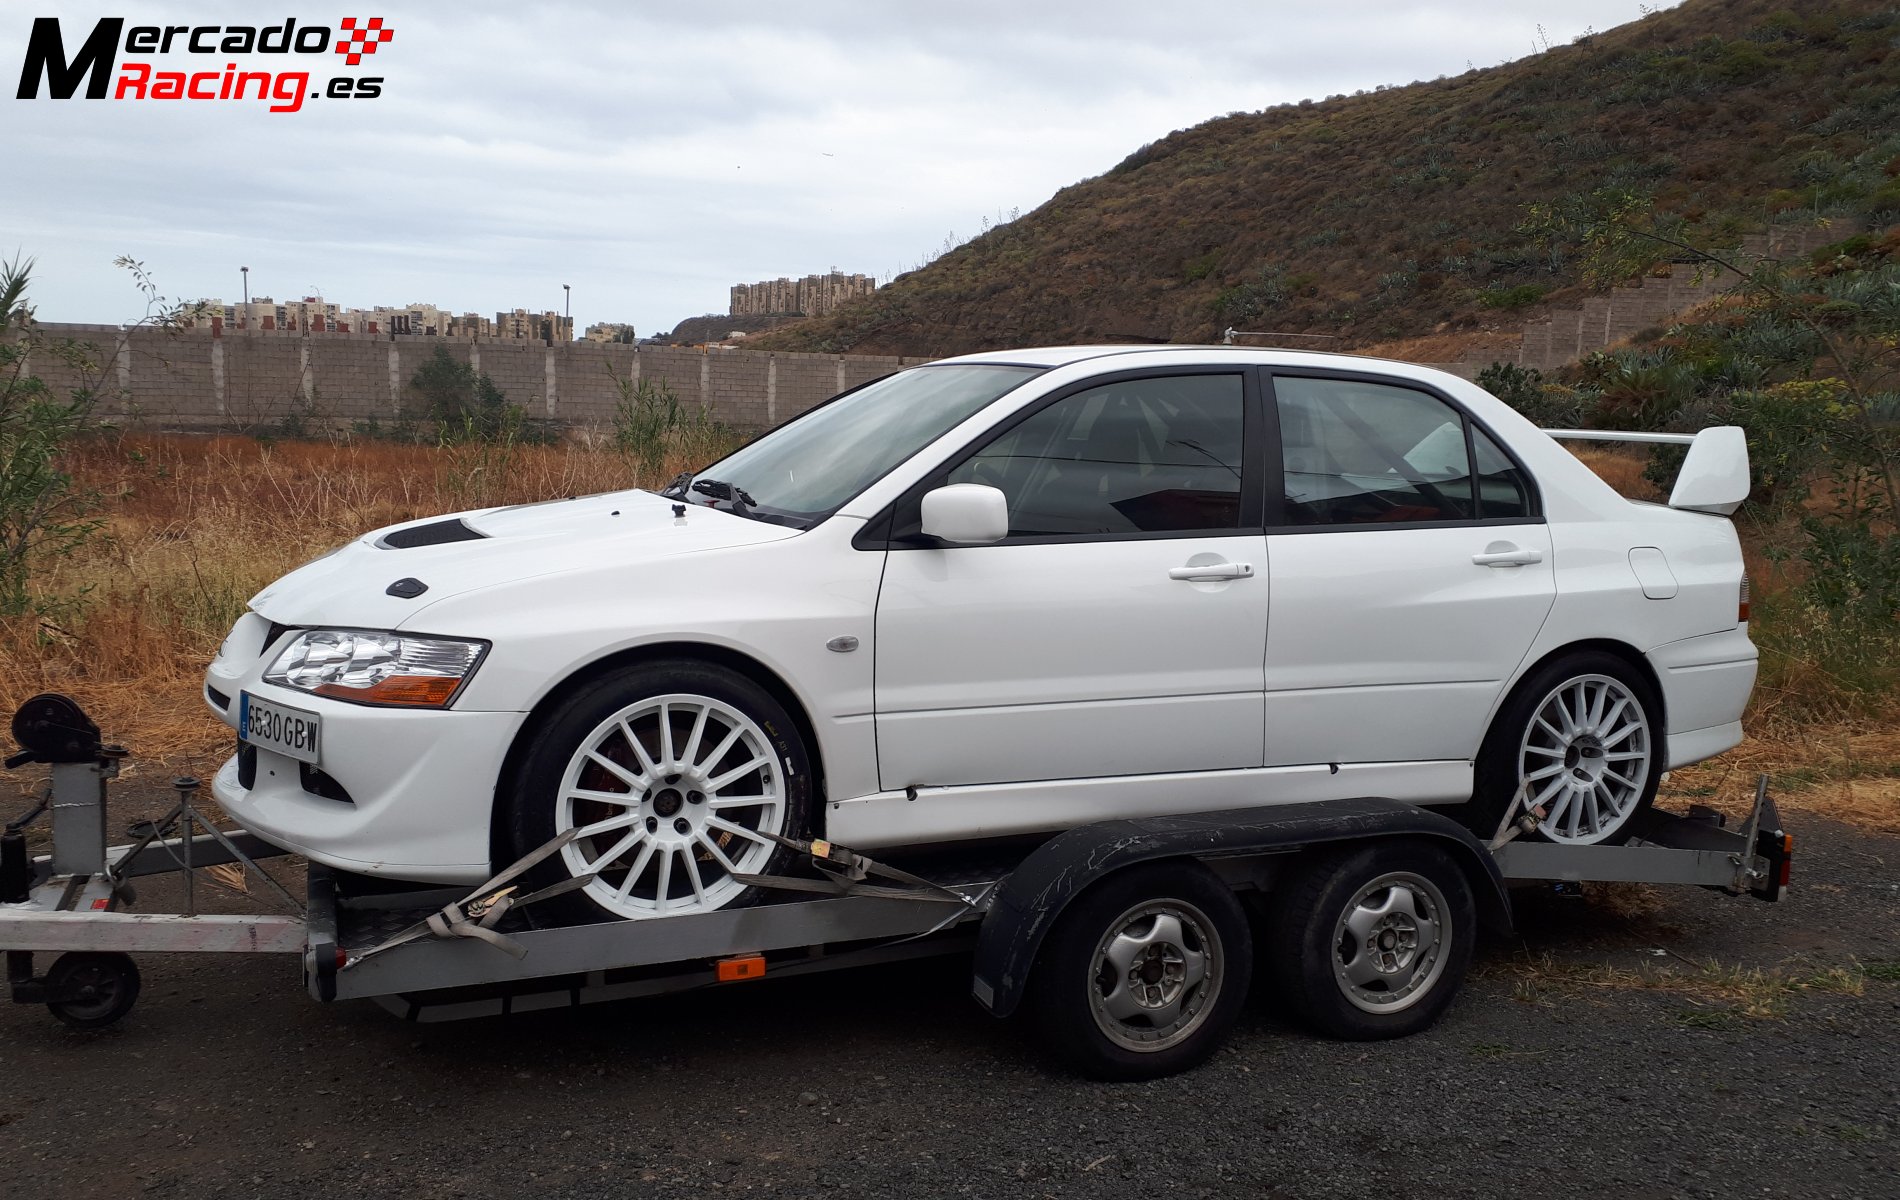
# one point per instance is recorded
(1503, 554)
(1212, 571)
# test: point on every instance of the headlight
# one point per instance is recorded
(373, 667)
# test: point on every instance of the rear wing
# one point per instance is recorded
(1714, 475)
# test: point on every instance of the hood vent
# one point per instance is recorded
(435, 533)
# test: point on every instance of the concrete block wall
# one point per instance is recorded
(247, 380)
(1562, 336)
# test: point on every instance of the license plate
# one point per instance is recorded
(291, 732)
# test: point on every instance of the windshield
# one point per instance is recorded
(803, 471)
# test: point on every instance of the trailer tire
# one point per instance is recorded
(1174, 931)
(92, 989)
(1372, 941)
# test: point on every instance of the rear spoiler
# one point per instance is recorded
(1714, 474)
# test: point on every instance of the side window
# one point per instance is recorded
(1368, 453)
(1502, 491)
(1138, 456)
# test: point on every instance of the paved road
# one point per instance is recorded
(1549, 1077)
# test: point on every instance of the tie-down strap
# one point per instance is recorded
(477, 914)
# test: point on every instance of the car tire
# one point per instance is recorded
(1372, 941)
(1175, 932)
(1594, 780)
(656, 763)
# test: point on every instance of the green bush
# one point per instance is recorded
(650, 422)
(465, 405)
(1506, 298)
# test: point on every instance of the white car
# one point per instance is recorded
(1000, 596)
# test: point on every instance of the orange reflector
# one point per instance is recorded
(744, 966)
(1787, 858)
(820, 848)
(102, 902)
(416, 691)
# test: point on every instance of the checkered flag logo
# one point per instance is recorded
(354, 43)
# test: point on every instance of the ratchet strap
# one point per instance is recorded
(844, 873)
(477, 914)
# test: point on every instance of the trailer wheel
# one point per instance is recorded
(1373, 942)
(92, 990)
(1145, 973)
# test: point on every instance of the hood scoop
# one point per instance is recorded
(435, 533)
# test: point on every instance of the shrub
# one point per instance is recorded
(1506, 298)
(651, 424)
(465, 405)
(42, 512)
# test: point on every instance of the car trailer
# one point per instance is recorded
(1133, 941)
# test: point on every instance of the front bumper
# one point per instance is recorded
(420, 784)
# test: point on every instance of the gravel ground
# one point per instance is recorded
(1552, 1075)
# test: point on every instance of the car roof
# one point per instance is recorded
(1062, 356)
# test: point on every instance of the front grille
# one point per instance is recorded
(247, 765)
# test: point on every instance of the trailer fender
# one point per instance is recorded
(1035, 895)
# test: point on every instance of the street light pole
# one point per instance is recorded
(246, 322)
(567, 309)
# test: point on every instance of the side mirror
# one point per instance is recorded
(968, 514)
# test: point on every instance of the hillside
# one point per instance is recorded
(1405, 212)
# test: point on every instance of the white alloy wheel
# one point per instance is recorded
(1585, 759)
(673, 796)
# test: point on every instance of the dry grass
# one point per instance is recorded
(1446, 347)
(1844, 771)
(1620, 468)
(1714, 989)
(195, 526)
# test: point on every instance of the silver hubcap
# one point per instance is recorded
(672, 797)
(1585, 759)
(1156, 973)
(1389, 943)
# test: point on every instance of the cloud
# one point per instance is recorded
(652, 156)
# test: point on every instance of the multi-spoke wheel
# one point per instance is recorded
(1373, 941)
(1582, 740)
(1145, 973)
(675, 776)
(1584, 759)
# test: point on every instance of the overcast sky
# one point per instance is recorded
(651, 155)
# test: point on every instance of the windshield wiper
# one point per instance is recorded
(719, 489)
(676, 490)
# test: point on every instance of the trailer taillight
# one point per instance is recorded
(1741, 606)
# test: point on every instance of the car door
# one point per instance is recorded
(1118, 629)
(1408, 587)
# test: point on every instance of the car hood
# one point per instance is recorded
(483, 548)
